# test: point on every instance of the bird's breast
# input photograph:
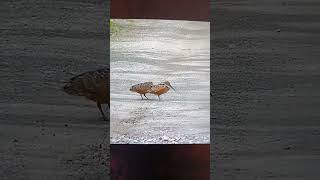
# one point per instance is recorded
(159, 89)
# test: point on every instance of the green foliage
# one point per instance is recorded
(114, 27)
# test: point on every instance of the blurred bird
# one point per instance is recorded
(93, 85)
(161, 88)
(142, 88)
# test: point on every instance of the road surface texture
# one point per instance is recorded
(158, 50)
(265, 82)
(46, 134)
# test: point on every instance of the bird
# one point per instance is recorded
(142, 88)
(161, 88)
(94, 85)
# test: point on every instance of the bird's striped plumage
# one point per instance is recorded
(142, 88)
(149, 87)
(93, 85)
(161, 88)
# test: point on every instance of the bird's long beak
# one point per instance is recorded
(172, 87)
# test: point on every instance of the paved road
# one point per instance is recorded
(265, 80)
(157, 50)
(44, 133)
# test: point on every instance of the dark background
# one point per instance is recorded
(46, 134)
(197, 10)
(265, 83)
(159, 162)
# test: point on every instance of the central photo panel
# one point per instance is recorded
(159, 81)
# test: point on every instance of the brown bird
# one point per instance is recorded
(142, 88)
(93, 85)
(161, 88)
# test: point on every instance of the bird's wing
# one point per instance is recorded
(157, 88)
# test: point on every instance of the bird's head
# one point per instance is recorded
(132, 89)
(167, 83)
(70, 89)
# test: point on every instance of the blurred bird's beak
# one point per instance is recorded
(172, 87)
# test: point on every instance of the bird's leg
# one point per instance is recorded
(99, 106)
(108, 107)
(159, 98)
(141, 96)
(145, 96)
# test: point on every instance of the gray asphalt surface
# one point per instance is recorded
(158, 50)
(46, 134)
(265, 81)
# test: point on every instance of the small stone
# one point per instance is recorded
(287, 148)
(165, 138)
(232, 45)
